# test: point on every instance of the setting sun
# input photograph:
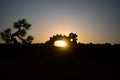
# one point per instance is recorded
(60, 43)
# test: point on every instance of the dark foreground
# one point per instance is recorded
(31, 62)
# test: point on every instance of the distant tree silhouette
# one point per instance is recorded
(22, 26)
(71, 39)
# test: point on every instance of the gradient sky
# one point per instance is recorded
(96, 21)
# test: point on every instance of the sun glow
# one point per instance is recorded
(60, 43)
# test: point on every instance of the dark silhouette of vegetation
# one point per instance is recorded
(71, 39)
(21, 26)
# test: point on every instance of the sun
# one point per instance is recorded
(60, 43)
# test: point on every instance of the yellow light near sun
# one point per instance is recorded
(60, 43)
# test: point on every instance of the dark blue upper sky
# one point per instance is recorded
(96, 21)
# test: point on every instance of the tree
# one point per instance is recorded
(21, 26)
(5, 35)
(73, 38)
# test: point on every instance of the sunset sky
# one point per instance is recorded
(96, 21)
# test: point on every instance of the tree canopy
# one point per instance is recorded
(21, 26)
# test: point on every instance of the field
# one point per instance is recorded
(38, 61)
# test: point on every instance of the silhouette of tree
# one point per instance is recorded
(5, 35)
(73, 38)
(22, 26)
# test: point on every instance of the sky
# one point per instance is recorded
(96, 21)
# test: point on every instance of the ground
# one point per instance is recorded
(37, 61)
